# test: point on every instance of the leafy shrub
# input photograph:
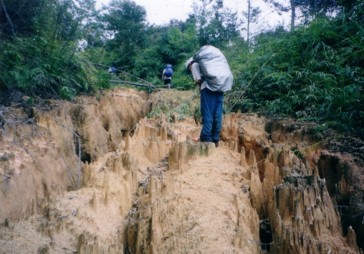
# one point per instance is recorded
(39, 67)
(310, 74)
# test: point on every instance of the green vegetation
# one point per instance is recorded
(314, 71)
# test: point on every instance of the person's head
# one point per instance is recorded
(188, 63)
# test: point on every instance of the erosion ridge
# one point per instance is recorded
(97, 175)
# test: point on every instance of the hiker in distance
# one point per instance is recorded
(211, 72)
(167, 75)
(112, 69)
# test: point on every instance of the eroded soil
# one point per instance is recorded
(121, 173)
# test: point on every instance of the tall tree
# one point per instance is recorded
(86, 16)
(309, 8)
(171, 43)
(251, 16)
(316, 8)
(125, 24)
(177, 40)
(201, 12)
(215, 24)
(62, 19)
(20, 17)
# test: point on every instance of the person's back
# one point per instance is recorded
(167, 75)
(211, 72)
(112, 70)
(214, 68)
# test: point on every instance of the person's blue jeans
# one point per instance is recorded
(211, 111)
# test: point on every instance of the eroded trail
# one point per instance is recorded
(97, 176)
(200, 207)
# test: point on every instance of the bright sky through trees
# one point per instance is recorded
(162, 11)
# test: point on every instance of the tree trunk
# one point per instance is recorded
(293, 14)
(248, 25)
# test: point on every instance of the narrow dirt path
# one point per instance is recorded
(202, 207)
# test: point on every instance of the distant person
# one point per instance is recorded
(211, 72)
(167, 75)
(112, 70)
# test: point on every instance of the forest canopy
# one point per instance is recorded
(311, 70)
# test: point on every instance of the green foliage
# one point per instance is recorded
(176, 42)
(40, 48)
(157, 111)
(39, 67)
(148, 63)
(172, 45)
(124, 23)
(176, 108)
(216, 25)
(181, 79)
(314, 73)
(20, 17)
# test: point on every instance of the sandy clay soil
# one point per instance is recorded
(121, 173)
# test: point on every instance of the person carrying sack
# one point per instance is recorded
(211, 72)
(167, 75)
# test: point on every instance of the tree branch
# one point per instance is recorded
(8, 17)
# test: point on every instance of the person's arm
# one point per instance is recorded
(164, 70)
(196, 74)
